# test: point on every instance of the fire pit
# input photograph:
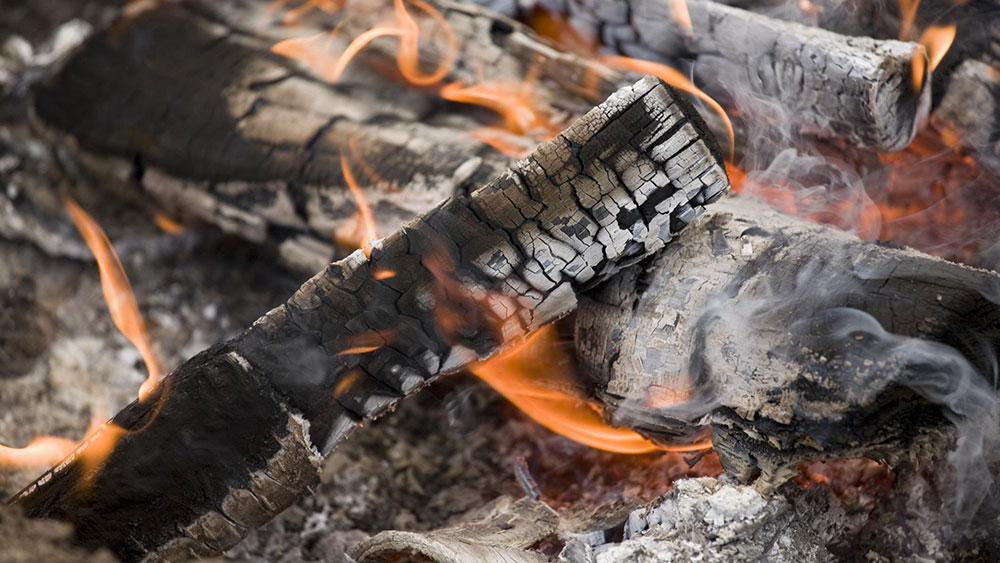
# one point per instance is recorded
(616, 281)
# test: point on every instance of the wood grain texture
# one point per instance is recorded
(471, 276)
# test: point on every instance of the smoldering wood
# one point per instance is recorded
(735, 326)
(970, 111)
(466, 278)
(856, 88)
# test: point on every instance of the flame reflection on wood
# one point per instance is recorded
(536, 377)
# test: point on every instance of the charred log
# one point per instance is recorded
(795, 341)
(453, 286)
(859, 89)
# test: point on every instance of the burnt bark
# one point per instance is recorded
(793, 341)
(237, 433)
(856, 88)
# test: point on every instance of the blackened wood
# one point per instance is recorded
(855, 88)
(793, 340)
(205, 119)
(198, 468)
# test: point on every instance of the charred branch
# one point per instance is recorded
(794, 341)
(472, 275)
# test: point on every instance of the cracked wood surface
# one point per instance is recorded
(202, 117)
(793, 341)
(855, 88)
(470, 276)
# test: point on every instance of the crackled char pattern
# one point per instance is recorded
(613, 188)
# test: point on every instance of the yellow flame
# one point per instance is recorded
(117, 292)
(937, 39)
(673, 77)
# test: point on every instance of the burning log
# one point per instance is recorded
(215, 127)
(239, 432)
(864, 90)
(795, 341)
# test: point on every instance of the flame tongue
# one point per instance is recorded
(117, 292)
(536, 377)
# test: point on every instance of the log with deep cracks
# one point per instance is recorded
(238, 432)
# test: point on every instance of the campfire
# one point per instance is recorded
(519, 281)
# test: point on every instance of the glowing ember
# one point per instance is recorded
(536, 377)
(117, 293)
(383, 274)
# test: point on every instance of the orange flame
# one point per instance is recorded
(298, 12)
(677, 80)
(679, 9)
(514, 101)
(535, 376)
(937, 40)
(167, 224)
(98, 442)
(907, 15)
(311, 51)
(42, 451)
(117, 292)
(365, 212)
(367, 342)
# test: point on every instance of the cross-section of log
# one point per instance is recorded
(238, 432)
(860, 89)
(796, 341)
